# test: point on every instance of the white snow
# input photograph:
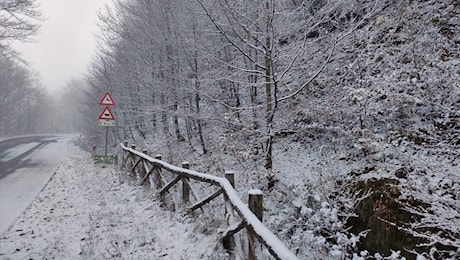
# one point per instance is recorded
(89, 211)
(16, 151)
(259, 228)
(255, 192)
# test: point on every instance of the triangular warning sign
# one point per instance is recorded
(107, 100)
(106, 114)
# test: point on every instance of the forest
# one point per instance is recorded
(344, 112)
(26, 107)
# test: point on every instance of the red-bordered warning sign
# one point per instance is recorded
(106, 114)
(107, 100)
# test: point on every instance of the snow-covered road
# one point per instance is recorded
(26, 165)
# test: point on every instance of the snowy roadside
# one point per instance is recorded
(87, 211)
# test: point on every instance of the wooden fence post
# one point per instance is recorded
(158, 181)
(133, 159)
(143, 170)
(229, 242)
(230, 176)
(185, 187)
(256, 206)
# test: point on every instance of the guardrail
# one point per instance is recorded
(146, 168)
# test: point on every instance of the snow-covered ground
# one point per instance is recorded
(89, 211)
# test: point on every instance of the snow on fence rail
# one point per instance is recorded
(148, 168)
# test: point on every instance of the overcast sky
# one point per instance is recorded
(66, 41)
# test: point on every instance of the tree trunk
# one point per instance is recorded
(179, 137)
(269, 87)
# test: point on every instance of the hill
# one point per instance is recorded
(345, 113)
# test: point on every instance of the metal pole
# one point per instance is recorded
(106, 138)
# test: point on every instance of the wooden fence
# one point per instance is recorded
(146, 168)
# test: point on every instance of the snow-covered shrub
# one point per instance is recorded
(313, 222)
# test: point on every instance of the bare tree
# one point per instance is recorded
(231, 61)
(20, 94)
(18, 21)
(269, 42)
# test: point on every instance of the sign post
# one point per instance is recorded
(106, 119)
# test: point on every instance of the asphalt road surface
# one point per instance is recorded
(26, 165)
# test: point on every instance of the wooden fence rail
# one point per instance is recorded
(147, 168)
